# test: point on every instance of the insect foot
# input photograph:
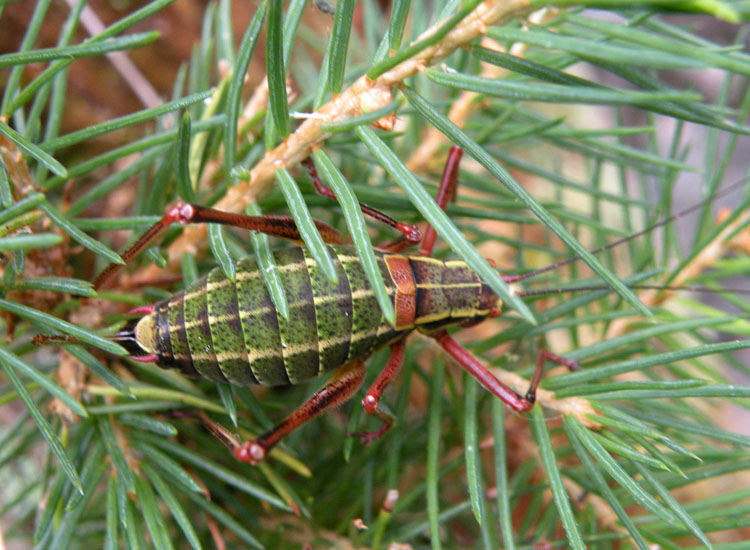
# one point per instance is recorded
(368, 437)
(252, 452)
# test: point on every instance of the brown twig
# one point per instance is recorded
(131, 74)
(309, 134)
(466, 103)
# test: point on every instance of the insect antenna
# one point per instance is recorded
(661, 223)
(690, 288)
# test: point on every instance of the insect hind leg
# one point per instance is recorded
(185, 213)
(341, 386)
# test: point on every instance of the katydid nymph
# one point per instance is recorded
(229, 330)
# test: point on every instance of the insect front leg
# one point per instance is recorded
(543, 356)
(510, 397)
(464, 358)
(342, 385)
(446, 193)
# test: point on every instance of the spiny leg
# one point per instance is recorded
(543, 356)
(184, 213)
(446, 193)
(219, 432)
(375, 392)
(411, 234)
(485, 377)
(342, 385)
(284, 226)
(513, 399)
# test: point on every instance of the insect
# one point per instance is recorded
(229, 331)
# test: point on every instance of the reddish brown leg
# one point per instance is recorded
(396, 245)
(485, 377)
(183, 213)
(372, 397)
(488, 380)
(543, 356)
(446, 193)
(411, 233)
(284, 226)
(342, 385)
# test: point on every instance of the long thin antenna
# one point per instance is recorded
(550, 291)
(665, 221)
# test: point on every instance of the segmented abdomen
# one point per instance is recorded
(230, 331)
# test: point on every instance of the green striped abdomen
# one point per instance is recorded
(230, 331)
